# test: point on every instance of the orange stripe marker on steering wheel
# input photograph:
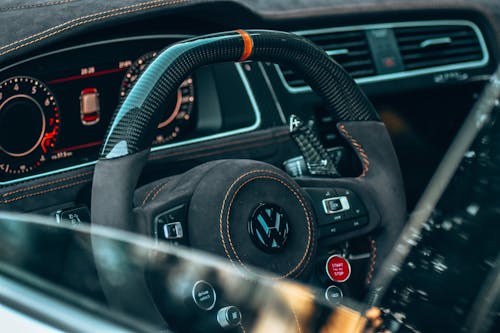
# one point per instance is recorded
(247, 46)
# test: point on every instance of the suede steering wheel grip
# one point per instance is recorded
(127, 143)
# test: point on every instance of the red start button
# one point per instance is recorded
(338, 268)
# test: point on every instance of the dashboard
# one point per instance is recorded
(422, 68)
(55, 108)
(412, 70)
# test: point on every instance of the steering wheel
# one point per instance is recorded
(249, 212)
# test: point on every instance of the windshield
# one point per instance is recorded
(441, 277)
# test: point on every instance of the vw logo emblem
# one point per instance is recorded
(268, 227)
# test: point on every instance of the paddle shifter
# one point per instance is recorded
(316, 157)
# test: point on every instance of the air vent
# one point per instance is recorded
(425, 47)
(349, 48)
(438, 45)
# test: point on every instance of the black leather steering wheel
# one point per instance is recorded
(220, 196)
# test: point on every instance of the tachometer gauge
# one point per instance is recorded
(178, 110)
(29, 124)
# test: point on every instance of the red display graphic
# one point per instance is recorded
(79, 77)
(78, 147)
(49, 139)
(90, 107)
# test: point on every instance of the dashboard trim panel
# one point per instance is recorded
(404, 74)
(238, 67)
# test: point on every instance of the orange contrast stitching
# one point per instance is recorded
(24, 189)
(46, 191)
(159, 190)
(149, 193)
(88, 19)
(373, 256)
(301, 203)
(307, 254)
(36, 5)
(78, 18)
(364, 158)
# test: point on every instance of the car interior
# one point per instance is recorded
(259, 147)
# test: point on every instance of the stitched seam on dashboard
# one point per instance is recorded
(25, 189)
(362, 154)
(88, 19)
(36, 5)
(68, 22)
(33, 194)
(88, 16)
(307, 255)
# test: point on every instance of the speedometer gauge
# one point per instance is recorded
(29, 124)
(178, 109)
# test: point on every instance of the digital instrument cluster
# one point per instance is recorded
(30, 119)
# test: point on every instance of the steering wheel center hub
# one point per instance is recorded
(255, 215)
